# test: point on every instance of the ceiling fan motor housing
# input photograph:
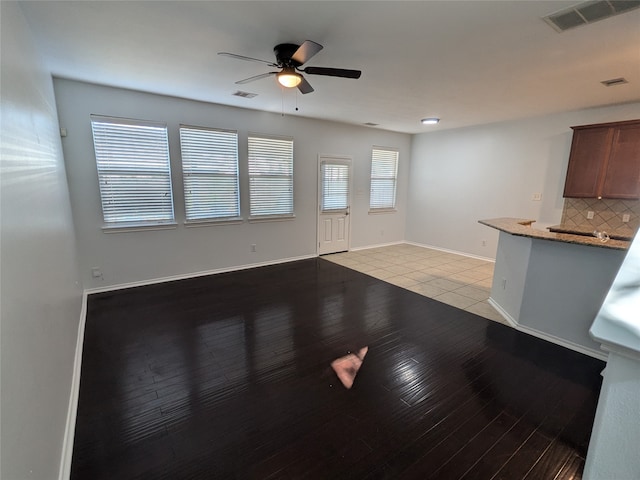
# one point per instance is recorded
(284, 52)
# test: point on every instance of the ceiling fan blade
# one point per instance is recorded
(242, 57)
(255, 77)
(304, 86)
(333, 72)
(305, 51)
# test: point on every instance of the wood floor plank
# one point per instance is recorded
(521, 462)
(229, 376)
(497, 456)
(551, 464)
(475, 447)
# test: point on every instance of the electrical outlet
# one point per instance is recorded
(589, 215)
(626, 217)
(536, 197)
(96, 272)
(504, 283)
(253, 247)
(484, 243)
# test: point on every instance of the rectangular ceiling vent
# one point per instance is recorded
(589, 12)
(614, 81)
(242, 94)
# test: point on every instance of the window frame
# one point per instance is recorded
(213, 219)
(375, 152)
(260, 137)
(105, 145)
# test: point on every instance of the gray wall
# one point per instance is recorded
(140, 256)
(463, 175)
(41, 296)
(613, 448)
(510, 273)
(565, 287)
(553, 289)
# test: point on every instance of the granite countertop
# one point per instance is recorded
(586, 230)
(522, 227)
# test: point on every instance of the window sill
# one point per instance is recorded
(379, 211)
(138, 227)
(274, 218)
(213, 223)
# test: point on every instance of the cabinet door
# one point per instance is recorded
(589, 149)
(622, 176)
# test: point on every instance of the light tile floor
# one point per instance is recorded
(460, 281)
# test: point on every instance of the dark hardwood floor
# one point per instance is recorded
(228, 376)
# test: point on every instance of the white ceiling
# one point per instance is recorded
(467, 62)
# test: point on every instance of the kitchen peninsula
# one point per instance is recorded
(551, 285)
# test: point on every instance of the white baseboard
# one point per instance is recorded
(377, 245)
(72, 411)
(456, 252)
(142, 283)
(185, 276)
(510, 320)
(545, 336)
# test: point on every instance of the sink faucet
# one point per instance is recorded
(601, 235)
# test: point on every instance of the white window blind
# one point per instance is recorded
(210, 170)
(335, 186)
(270, 176)
(132, 157)
(384, 170)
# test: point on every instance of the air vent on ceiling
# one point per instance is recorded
(369, 124)
(614, 81)
(242, 94)
(589, 12)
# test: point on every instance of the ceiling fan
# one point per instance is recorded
(289, 58)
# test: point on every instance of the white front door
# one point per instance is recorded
(334, 202)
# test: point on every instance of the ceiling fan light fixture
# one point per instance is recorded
(289, 78)
(430, 121)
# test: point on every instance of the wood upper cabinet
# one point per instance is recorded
(605, 161)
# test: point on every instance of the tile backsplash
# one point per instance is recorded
(607, 214)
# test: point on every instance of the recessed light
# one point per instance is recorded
(430, 121)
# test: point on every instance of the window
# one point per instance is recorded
(270, 176)
(384, 170)
(335, 185)
(132, 157)
(210, 169)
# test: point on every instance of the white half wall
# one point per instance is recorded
(40, 293)
(510, 273)
(140, 256)
(553, 290)
(613, 448)
(565, 287)
(460, 176)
